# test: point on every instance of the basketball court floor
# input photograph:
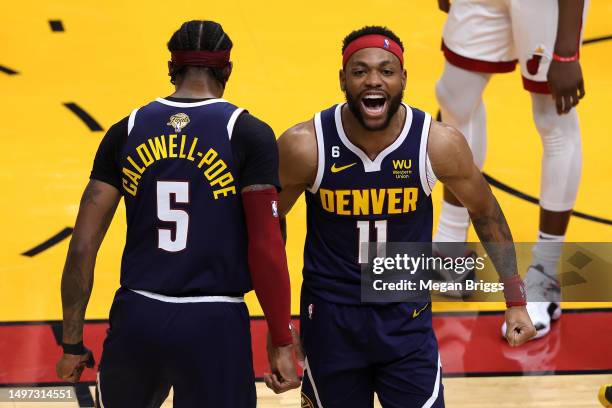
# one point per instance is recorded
(69, 70)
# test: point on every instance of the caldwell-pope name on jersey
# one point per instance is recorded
(373, 201)
(157, 148)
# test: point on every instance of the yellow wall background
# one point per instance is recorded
(112, 58)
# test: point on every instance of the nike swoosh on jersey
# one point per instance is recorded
(416, 313)
(335, 169)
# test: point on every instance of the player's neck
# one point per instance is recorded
(198, 88)
(372, 142)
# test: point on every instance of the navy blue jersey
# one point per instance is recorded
(355, 200)
(186, 233)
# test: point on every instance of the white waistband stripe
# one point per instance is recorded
(189, 299)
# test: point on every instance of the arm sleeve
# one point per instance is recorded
(268, 262)
(106, 163)
(255, 152)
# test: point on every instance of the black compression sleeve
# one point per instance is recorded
(106, 163)
(255, 152)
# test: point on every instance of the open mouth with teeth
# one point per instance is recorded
(374, 105)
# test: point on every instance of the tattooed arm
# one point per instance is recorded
(451, 161)
(96, 211)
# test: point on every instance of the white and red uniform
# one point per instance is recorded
(491, 36)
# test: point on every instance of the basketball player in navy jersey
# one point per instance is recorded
(344, 159)
(199, 177)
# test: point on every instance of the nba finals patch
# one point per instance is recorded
(178, 121)
(306, 402)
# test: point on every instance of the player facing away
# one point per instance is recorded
(343, 161)
(198, 176)
(483, 37)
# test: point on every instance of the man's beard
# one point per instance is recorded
(394, 104)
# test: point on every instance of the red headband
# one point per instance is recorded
(373, 41)
(212, 59)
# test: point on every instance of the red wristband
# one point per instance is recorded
(571, 58)
(514, 291)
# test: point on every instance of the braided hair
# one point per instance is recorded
(200, 35)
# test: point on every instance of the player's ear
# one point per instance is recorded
(342, 79)
(171, 72)
(227, 71)
(170, 67)
(404, 79)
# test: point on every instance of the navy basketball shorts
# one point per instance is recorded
(353, 351)
(203, 350)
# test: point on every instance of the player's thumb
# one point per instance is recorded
(513, 335)
(522, 334)
(289, 378)
(88, 359)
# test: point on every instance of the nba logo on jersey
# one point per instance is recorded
(275, 209)
(310, 310)
(386, 43)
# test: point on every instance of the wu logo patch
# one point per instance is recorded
(402, 164)
(401, 168)
(178, 121)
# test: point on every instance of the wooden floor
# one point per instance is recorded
(575, 391)
(571, 391)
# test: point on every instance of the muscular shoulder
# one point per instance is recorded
(447, 149)
(299, 141)
(298, 154)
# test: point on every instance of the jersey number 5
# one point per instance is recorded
(180, 191)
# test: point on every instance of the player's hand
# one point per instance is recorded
(282, 364)
(566, 84)
(444, 5)
(70, 366)
(297, 345)
(519, 328)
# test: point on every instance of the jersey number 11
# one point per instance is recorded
(364, 239)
